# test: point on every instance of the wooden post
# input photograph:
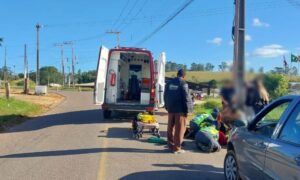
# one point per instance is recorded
(7, 90)
(26, 89)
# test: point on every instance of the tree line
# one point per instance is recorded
(50, 74)
(223, 66)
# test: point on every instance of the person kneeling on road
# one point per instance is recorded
(178, 103)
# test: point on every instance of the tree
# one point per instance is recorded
(251, 70)
(8, 72)
(261, 70)
(48, 74)
(194, 67)
(200, 67)
(173, 66)
(86, 77)
(197, 67)
(212, 85)
(276, 85)
(209, 67)
(21, 75)
(181, 66)
(223, 66)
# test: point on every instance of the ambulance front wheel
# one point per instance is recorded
(106, 114)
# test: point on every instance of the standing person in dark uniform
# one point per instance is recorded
(178, 104)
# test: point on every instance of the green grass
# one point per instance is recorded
(276, 113)
(208, 106)
(20, 83)
(203, 76)
(14, 111)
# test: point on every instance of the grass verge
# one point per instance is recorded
(208, 106)
(14, 112)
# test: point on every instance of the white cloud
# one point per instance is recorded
(270, 51)
(230, 62)
(217, 41)
(248, 37)
(258, 23)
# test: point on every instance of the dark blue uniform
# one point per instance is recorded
(177, 97)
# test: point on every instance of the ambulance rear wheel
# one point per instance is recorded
(106, 114)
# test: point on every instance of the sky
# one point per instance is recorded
(201, 33)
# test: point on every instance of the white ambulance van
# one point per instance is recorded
(126, 80)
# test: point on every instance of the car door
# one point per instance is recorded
(283, 153)
(160, 84)
(99, 91)
(254, 142)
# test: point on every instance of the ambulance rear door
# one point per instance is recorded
(100, 84)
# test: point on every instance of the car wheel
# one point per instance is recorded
(231, 167)
(106, 114)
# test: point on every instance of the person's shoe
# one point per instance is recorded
(181, 151)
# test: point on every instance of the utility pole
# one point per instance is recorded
(117, 33)
(73, 61)
(14, 72)
(239, 53)
(69, 79)
(73, 67)
(5, 67)
(1, 42)
(26, 75)
(7, 85)
(38, 27)
(62, 61)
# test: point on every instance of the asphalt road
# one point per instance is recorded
(73, 142)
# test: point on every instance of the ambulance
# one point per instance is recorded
(129, 81)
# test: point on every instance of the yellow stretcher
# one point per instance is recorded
(145, 121)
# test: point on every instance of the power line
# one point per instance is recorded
(129, 12)
(177, 12)
(122, 12)
(138, 13)
(294, 3)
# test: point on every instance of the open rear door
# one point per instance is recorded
(160, 84)
(99, 91)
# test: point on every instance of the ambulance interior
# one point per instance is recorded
(133, 80)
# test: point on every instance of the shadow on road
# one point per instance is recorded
(80, 152)
(213, 173)
(119, 133)
(77, 117)
(192, 167)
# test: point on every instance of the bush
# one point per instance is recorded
(200, 109)
(276, 85)
(213, 103)
(208, 105)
